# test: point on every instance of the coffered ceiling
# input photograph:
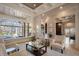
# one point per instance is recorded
(40, 8)
(32, 5)
(27, 10)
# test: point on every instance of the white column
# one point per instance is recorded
(33, 26)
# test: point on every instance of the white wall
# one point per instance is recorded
(77, 30)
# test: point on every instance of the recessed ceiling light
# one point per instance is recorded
(61, 7)
(34, 5)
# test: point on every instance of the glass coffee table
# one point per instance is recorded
(37, 51)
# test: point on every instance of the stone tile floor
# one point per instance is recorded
(67, 52)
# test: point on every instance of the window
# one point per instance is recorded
(29, 29)
(9, 28)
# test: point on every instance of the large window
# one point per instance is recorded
(10, 28)
(29, 29)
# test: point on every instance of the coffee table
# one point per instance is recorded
(37, 51)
